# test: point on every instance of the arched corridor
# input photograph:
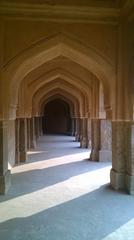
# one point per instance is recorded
(66, 119)
(59, 194)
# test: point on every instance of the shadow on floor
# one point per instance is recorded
(41, 155)
(32, 180)
(101, 214)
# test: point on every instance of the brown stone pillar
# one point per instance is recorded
(130, 159)
(37, 127)
(77, 132)
(80, 129)
(17, 151)
(5, 180)
(120, 153)
(89, 133)
(32, 134)
(84, 138)
(23, 139)
(73, 128)
(28, 133)
(95, 139)
(40, 126)
(105, 153)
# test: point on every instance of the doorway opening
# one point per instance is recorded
(57, 118)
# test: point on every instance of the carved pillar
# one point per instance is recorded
(95, 139)
(5, 180)
(23, 139)
(84, 139)
(120, 153)
(105, 153)
(17, 151)
(32, 134)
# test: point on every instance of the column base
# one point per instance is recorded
(94, 156)
(5, 182)
(23, 156)
(117, 180)
(105, 156)
(130, 184)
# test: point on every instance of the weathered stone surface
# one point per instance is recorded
(23, 139)
(84, 136)
(32, 134)
(4, 157)
(105, 153)
(95, 139)
(77, 133)
(121, 146)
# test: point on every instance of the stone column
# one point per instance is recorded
(80, 129)
(17, 151)
(84, 139)
(130, 159)
(77, 132)
(5, 180)
(32, 134)
(120, 153)
(89, 133)
(105, 153)
(23, 139)
(40, 126)
(28, 133)
(37, 127)
(95, 139)
(73, 128)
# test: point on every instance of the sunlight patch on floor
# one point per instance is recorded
(54, 195)
(51, 162)
(35, 152)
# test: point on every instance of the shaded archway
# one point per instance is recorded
(57, 117)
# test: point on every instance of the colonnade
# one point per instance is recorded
(27, 132)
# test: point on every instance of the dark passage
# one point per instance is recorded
(57, 117)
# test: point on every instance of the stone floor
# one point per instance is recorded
(60, 195)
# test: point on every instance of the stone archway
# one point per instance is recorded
(48, 49)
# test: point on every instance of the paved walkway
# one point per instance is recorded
(60, 195)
